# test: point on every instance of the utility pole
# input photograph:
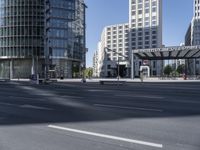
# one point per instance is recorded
(118, 54)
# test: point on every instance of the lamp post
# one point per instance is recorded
(132, 65)
(118, 67)
(117, 60)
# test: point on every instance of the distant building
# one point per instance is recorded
(145, 23)
(95, 65)
(144, 30)
(116, 39)
(192, 37)
(178, 62)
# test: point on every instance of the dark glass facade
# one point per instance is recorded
(38, 34)
(21, 36)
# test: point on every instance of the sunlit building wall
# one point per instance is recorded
(114, 51)
(145, 23)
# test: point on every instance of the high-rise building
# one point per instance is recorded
(145, 23)
(114, 51)
(143, 31)
(95, 64)
(21, 36)
(192, 38)
(45, 37)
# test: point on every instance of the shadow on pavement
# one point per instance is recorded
(23, 103)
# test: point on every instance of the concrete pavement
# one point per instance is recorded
(152, 80)
(96, 80)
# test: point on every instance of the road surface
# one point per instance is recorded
(76, 116)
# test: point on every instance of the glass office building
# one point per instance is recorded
(21, 36)
(65, 36)
(41, 37)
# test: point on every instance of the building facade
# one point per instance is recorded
(178, 62)
(41, 37)
(113, 50)
(21, 36)
(95, 65)
(192, 38)
(145, 23)
(143, 31)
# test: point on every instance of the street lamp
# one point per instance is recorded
(118, 54)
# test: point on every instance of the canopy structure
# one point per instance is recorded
(176, 52)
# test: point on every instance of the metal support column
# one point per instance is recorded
(132, 65)
(11, 69)
(33, 66)
(195, 67)
(187, 68)
(118, 69)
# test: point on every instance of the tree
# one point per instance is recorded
(168, 70)
(88, 72)
(75, 71)
(180, 69)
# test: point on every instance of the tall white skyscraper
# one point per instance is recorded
(143, 31)
(116, 39)
(193, 38)
(145, 23)
(195, 25)
(95, 64)
(196, 9)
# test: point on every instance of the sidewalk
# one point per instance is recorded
(96, 80)
(130, 80)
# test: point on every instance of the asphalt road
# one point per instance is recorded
(76, 116)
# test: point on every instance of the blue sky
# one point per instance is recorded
(177, 15)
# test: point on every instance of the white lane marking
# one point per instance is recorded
(156, 98)
(126, 107)
(97, 90)
(25, 106)
(67, 96)
(35, 107)
(141, 96)
(7, 104)
(107, 136)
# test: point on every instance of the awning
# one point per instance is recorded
(175, 52)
